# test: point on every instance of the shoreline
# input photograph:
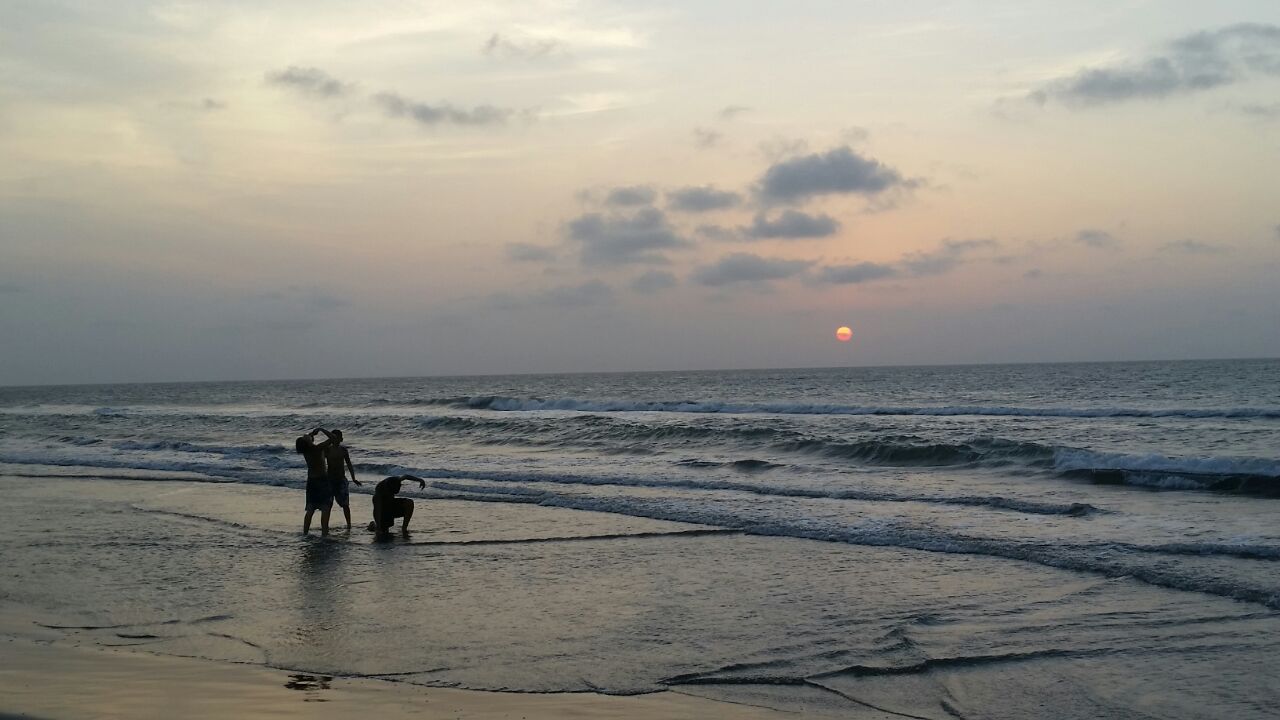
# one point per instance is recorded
(44, 680)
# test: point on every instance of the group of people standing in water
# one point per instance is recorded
(328, 463)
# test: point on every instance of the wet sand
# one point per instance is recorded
(46, 681)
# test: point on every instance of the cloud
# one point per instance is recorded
(396, 106)
(587, 294)
(524, 48)
(1192, 63)
(526, 252)
(746, 268)
(615, 240)
(838, 171)
(1097, 239)
(791, 225)
(308, 299)
(701, 199)
(1033, 274)
(717, 232)
(706, 138)
(210, 105)
(1194, 247)
(858, 273)
(729, 112)
(311, 81)
(653, 281)
(1261, 112)
(950, 255)
(631, 196)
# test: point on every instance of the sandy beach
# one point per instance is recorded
(46, 681)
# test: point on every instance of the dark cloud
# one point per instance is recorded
(1192, 63)
(706, 138)
(653, 281)
(397, 106)
(1194, 247)
(730, 112)
(791, 225)
(701, 199)
(568, 296)
(837, 171)
(745, 268)
(525, 252)
(310, 80)
(524, 48)
(614, 239)
(1097, 239)
(950, 255)
(858, 273)
(631, 196)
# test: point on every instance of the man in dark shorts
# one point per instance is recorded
(387, 507)
(336, 457)
(319, 493)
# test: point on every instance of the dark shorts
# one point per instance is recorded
(338, 486)
(319, 494)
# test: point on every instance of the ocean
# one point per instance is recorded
(1049, 540)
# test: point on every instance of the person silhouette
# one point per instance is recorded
(319, 492)
(387, 507)
(337, 460)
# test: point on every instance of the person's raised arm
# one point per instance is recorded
(328, 439)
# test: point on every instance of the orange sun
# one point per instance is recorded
(844, 334)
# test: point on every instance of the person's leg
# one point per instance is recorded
(405, 510)
(324, 520)
(306, 522)
(346, 513)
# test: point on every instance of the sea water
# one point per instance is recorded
(1068, 540)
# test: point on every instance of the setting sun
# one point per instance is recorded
(844, 334)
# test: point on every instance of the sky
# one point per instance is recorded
(245, 190)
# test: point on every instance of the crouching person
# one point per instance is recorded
(387, 507)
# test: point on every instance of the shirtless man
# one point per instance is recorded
(387, 507)
(319, 494)
(336, 457)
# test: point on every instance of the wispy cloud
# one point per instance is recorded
(950, 255)
(426, 114)
(1192, 63)
(1194, 247)
(730, 112)
(705, 138)
(587, 294)
(311, 81)
(856, 273)
(523, 48)
(1100, 239)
